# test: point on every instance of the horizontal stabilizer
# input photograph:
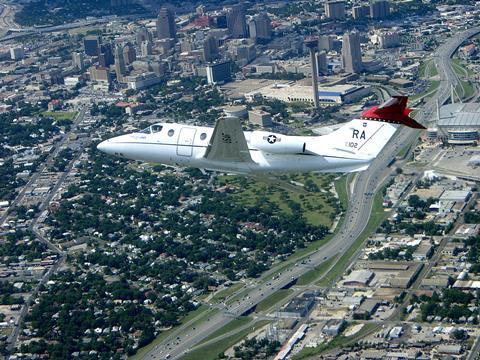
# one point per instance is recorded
(393, 111)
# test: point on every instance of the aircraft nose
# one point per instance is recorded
(104, 146)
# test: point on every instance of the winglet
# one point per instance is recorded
(393, 111)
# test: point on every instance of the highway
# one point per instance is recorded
(183, 339)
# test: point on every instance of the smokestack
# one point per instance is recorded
(312, 45)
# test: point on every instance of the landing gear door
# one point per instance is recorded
(185, 141)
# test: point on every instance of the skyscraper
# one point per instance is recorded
(129, 54)
(166, 28)
(91, 45)
(105, 56)
(143, 35)
(146, 48)
(120, 68)
(379, 9)
(322, 63)
(351, 52)
(335, 9)
(360, 11)
(260, 27)
(210, 48)
(325, 42)
(236, 21)
(78, 61)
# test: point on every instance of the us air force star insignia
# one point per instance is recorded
(271, 139)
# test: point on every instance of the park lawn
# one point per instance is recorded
(271, 300)
(144, 350)
(61, 115)
(376, 217)
(211, 351)
(337, 341)
(314, 205)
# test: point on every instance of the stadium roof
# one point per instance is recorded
(458, 115)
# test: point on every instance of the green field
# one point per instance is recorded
(376, 217)
(271, 300)
(315, 273)
(225, 293)
(433, 86)
(60, 115)
(213, 350)
(422, 70)
(280, 192)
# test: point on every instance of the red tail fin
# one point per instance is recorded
(394, 111)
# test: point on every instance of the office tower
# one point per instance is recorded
(105, 56)
(219, 72)
(100, 74)
(260, 27)
(325, 42)
(236, 21)
(146, 48)
(17, 53)
(360, 12)
(143, 35)
(129, 54)
(312, 46)
(120, 68)
(166, 28)
(322, 63)
(78, 60)
(388, 39)
(335, 9)
(91, 45)
(379, 9)
(351, 52)
(210, 48)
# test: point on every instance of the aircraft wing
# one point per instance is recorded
(228, 142)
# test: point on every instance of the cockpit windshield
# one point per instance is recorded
(152, 129)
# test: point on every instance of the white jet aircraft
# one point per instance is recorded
(228, 148)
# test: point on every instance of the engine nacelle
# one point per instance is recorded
(277, 143)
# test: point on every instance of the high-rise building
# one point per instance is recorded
(335, 9)
(78, 60)
(360, 11)
(219, 72)
(236, 21)
(146, 48)
(143, 35)
(388, 39)
(322, 63)
(210, 48)
(166, 28)
(99, 74)
(91, 45)
(129, 54)
(260, 27)
(325, 42)
(17, 53)
(379, 9)
(120, 68)
(351, 52)
(105, 56)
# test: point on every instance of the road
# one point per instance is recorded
(32, 227)
(367, 183)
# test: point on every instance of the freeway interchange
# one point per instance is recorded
(366, 184)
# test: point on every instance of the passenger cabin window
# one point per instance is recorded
(171, 132)
(203, 136)
(156, 128)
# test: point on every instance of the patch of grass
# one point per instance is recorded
(271, 300)
(202, 309)
(337, 341)
(468, 89)
(315, 273)
(376, 217)
(60, 115)
(225, 293)
(231, 326)
(211, 351)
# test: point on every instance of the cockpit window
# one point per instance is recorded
(156, 128)
(146, 131)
